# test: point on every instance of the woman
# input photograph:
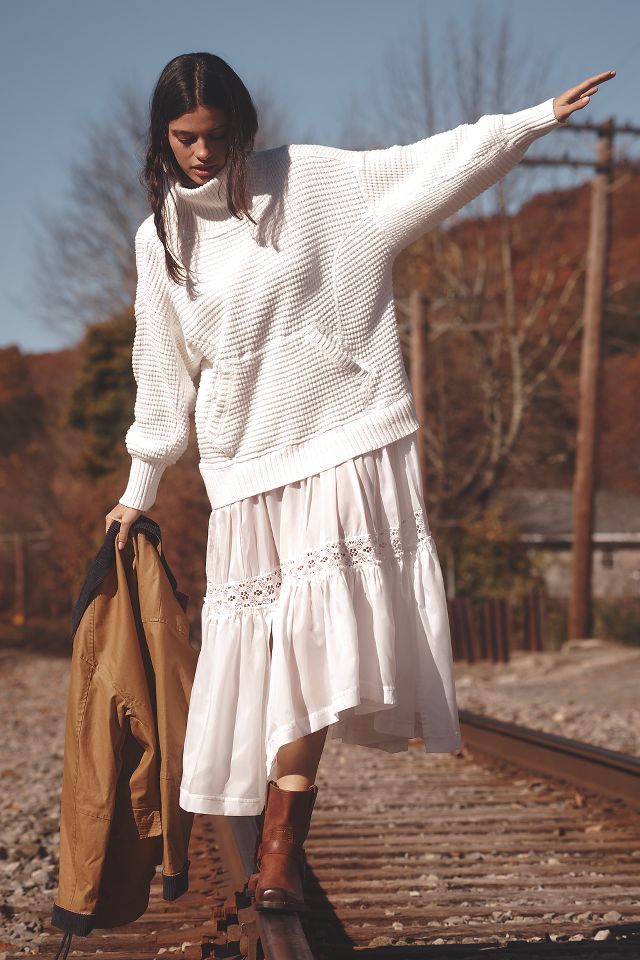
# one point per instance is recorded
(267, 275)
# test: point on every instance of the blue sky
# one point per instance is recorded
(60, 65)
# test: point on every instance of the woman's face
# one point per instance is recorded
(199, 143)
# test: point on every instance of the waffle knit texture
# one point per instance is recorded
(284, 344)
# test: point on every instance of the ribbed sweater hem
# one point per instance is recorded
(144, 479)
(377, 427)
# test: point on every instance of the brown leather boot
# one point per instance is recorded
(281, 858)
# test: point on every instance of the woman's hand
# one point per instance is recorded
(575, 98)
(126, 516)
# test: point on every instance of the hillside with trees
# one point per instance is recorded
(506, 295)
(502, 372)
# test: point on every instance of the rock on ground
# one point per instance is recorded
(33, 695)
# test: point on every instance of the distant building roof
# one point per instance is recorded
(546, 515)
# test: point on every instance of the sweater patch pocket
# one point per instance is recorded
(336, 352)
(226, 408)
(294, 388)
(323, 382)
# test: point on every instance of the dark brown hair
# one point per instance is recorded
(188, 81)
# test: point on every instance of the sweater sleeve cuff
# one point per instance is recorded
(142, 487)
(525, 126)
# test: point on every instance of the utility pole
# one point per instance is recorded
(580, 606)
(580, 601)
(418, 320)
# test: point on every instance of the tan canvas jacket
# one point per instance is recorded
(132, 670)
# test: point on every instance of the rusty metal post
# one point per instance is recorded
(489, 618)
(530, 621)
(497, 628)
(542, 619)
(534, 615)
(18, 617)
(580, 604)
(454, 629)
(471, 639)
(483, 635)
(464, 628)
(504, 618)
(527, 637)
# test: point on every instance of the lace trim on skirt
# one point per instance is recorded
(260, 592)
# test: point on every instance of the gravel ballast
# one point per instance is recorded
(587, 691)
(33, 695)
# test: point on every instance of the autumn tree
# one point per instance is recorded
(101, 402)
(24, 478)
(504, 282)
(21, 409)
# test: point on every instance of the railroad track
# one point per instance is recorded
(485, 854)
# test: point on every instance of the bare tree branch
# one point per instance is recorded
(504, 329)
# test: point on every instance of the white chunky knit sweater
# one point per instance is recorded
(286, 346)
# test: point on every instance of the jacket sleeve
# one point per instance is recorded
(92, 756)
(409, 189)
(165, 370)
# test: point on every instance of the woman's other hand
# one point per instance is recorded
(126, 516)
(575, 98)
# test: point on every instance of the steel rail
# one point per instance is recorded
(606, 772)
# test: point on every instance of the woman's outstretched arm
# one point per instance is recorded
(410, 189)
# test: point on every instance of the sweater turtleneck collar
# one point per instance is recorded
(209, 199)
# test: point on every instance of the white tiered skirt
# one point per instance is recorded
(341, 567)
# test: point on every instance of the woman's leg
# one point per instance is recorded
(280, 857)
(297, 762)
(278, 884)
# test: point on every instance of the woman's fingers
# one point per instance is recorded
(110, 517)
(126, 516)
(582, 88)
(115, 514)
(123, 534)
(575, 98)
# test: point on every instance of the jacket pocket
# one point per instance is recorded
(297, 386)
